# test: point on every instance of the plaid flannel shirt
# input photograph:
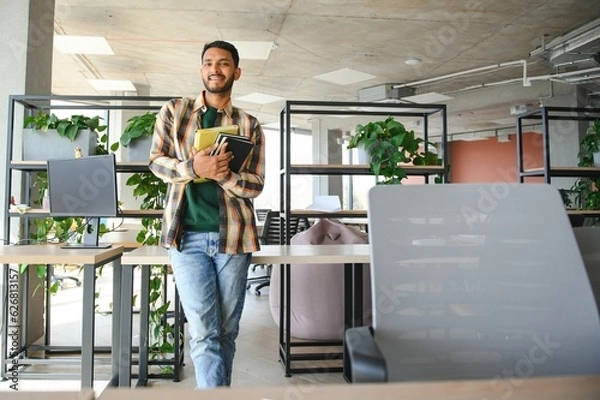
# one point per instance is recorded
(170, 160)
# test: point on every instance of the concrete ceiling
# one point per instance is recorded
(157, 45)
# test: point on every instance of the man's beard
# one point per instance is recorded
(223, 89)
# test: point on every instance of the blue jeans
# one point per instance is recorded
(212, 288)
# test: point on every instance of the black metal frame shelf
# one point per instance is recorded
(545, 115)
(323, 108)
(340, 169)
(27, 105)
(423, 114)
(33, 166)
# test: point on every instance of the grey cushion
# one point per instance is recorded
(317, 296)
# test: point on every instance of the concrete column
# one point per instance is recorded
(26, 29)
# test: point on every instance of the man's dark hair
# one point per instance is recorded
(220, 44)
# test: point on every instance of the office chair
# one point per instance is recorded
(261, 215)
(473, 282)
(271, 234)
(54, 277)
(588, 241)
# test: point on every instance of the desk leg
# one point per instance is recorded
(353, 295)
(87, 327)
(115, 350)
(48, 319)
(353, 307)
(144, 326)
(126, 320)
(284, 318)
(348, 296)
(178, 327)
(357, 293)
(288, 320)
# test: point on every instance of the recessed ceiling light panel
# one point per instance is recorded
(254, 50)
(82, 45)
(344, 76)
(259, 98)
(112, 85)
(428, 98)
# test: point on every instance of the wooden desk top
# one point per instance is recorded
(270, 254)
(45, 395)
(552, 388)
(146, 255)
(53, 254)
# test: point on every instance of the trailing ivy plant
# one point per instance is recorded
(389, 144)
(65, 127)
(152, 191)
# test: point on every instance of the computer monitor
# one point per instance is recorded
(84, 187)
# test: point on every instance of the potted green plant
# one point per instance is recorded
(388, 145)
(585, 193)
(45, 135)
(590, 146)
(137, 137)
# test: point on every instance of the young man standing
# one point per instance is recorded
(209, 227)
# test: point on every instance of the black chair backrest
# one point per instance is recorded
(261, 214)
(273, 226)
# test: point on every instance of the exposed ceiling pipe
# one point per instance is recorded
(532, 78)
(522, 63)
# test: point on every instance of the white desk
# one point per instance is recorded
(352, 256)
(90, 258)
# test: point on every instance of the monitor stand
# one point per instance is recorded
(90, 237)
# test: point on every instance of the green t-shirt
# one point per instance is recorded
(202, 201)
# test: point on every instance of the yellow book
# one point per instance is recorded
(206, 137)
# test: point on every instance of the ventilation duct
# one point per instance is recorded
(581, 44)
(384, 93)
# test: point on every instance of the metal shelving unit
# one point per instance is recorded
(421, 115)
(544, 115)
(20, 170)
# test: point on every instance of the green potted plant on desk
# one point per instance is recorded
(389, 145)
(45, 135)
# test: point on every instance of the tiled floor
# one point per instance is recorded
(256, 362)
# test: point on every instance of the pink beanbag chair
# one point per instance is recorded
(317, 290)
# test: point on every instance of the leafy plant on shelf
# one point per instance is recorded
(389, 145)
(586, 191)
(138, 126)
(65, 127)
(152, 191)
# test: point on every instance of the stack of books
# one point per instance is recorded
(240, 146)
